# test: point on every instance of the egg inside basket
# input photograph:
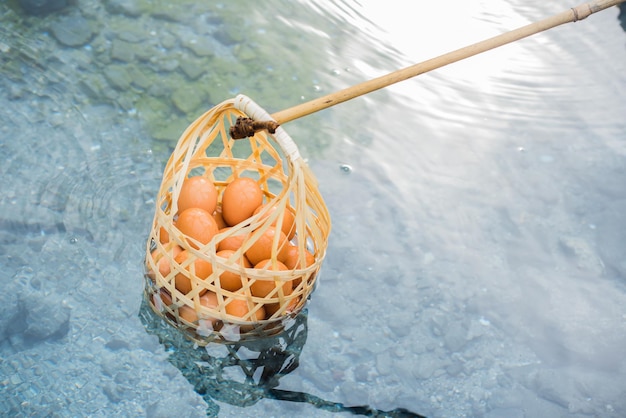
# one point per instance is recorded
(239, 233)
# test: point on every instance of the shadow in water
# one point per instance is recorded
(241, 374)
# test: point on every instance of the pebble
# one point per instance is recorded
(438, 324)
(425, 366)
(113, 391)
(170, 12)
(229, 35)
(354, 393)
(193, 68)
(200, 46)
(145, 52)
(168, 65)
(584, 255)
(39, 317)
(118, 77)
(122, 50)
(9, 306)
(168, 40)
(362, 374)
(130, 8)
(455, 336)
(384, 363)
(92, 87)
(245, 53)
(72, 31)
(399, 324)
(41, 7)
(117, 344)
(186, 100)
(455, 368)
(139, 78)
(131, 34)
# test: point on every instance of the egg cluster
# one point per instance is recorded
(199, 218)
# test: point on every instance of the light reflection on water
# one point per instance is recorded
(476, 262)
(502, 166)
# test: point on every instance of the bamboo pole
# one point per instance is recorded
(571, 15)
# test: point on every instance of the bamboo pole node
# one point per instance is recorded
(581, 12)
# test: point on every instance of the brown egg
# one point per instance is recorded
(203, 269)
(162, 261)
(241, 197)
(272, 308)
(209, 300)
(197, 192)
(229, 280)
(262, 247)
(219, 218)
(292, 257)
(198, 224)
(292, 305)
(239, 308)
(187, 313)
(231, 243)
(164, 236)
(261, 288)
(288, 225)
(162, 298)
(292, 261)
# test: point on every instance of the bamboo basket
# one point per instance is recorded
(273, 161)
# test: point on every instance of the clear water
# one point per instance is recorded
(476, 263)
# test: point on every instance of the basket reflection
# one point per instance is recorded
(243, 373)
(239, 374)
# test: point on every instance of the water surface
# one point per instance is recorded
(476, 263)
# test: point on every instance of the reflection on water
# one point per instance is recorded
(241, 374)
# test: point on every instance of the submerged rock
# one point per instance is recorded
(37, 317)
(186, 99)
(41, 7)
(72, 30)
(122, 50)
(47, 317)
(118, 77)
(131, 8)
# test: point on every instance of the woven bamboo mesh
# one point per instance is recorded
(203, 309)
